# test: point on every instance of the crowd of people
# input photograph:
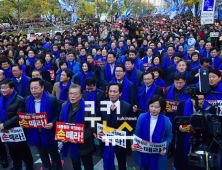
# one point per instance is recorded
(136, 64)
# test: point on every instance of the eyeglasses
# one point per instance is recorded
(34, 88)
(119, 71)
(73, 94)
(4, 88)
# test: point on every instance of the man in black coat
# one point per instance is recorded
(214, 56)
(204, 63)
(84, 149)
(19, 151)
(92, 90)
(180, 159)
(132, 29)
(39, 66)
(115, 91)
(47, 85)
(181, 68)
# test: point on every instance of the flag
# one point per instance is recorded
(147, 10)
(117, 16)
(174, 13)
(63, 5)
(88, 1)
(48, 16)
(186, 9)
(193, 10)
(169, 1)
(14, 13)
(74, 17)
(200, 8)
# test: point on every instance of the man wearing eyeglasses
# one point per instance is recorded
(44, 138)
(10, 104)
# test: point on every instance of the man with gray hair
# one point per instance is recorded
(73, 111)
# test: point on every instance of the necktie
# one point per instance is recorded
(18, 81)
(113, 107)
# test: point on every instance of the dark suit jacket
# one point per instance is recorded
(28, 71)
(19, 88)
(163, 73)
(84, 77)
(139, 77)
(189, 80)
(158, 90)
(97, 70)
(46, 76)
(100, 96)
(125, 111)
(54, 105)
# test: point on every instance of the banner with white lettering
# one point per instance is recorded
(13, 135)
(148, 147)
(116, 132)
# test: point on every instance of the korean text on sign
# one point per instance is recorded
(148, 147)
(69, 132)
(13, 135)
(171, 105)
(116, 132)
(35, 120)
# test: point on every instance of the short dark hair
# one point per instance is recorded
(179, 76)
(4, 61)
(41, 82)
(62, 51)
(90, 81)
(122, 66)
(172, 47)
(9, 82)
(204, 60)
(182, 61)
(215, 71)
(49, 53)
(133, 51)
(69, 72)
(194, 53)
(76, 86)
(38, 59)
(213, 48)
(113, 53)
(130, 59)
(90, 56)
(150, 49)
(157, 69)
(17, 65)
(83, 48)
(62, 62)
(157, 97)
(148, 72)
(37, 71)
(88, 64)
(157, 56)
(116, 84)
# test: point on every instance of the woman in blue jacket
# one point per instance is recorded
(154, 127)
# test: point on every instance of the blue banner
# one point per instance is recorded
(208, 5)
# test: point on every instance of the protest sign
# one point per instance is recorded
(15, 134)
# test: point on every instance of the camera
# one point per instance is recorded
(205, 129)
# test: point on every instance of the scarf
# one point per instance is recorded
(181, 52)
(186, 73)
(145, 59)
(48, 66)
(102, 59)
(4, 107)
(31, 61)
(216, 61)
(122, 51)
(188, 111)
(152, 66)
(8, 73)
(83, 58)
(93, 64)
(217, 96)
(56, 54)
(108, 71)
(145, 96)
(133, 79)
(78, 119)
(115, 50)
(199, 48)
(170, 93)
(109, 157)
(64, 91)
(23, 68)
(96, 57)
(82, 81)
(204, 54)
(145, 47)
(126, 89)
(159, 49)
(48, 136)
(160, 82)
(137, 63)
(194, 65)
(70, 64)
(167, 62)
(186, 57)
(24, 84)
(92, 96)
(150, 161)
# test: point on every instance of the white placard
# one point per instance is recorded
(207, 20)
(148, 147)
(13, 135)
(214, 102)
(116, 132)
(214, 34)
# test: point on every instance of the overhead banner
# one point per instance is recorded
(148, 147)
(207, 13)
